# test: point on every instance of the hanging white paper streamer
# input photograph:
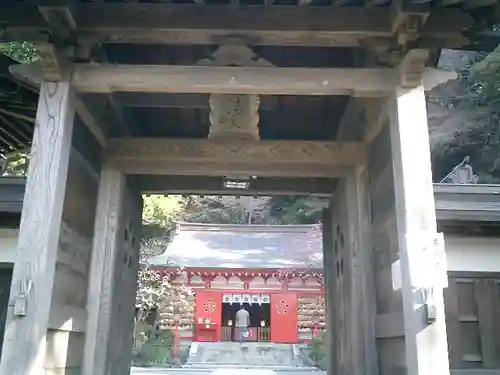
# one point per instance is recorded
(227, 298)
(237, 298)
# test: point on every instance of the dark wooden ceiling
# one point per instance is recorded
(187, 115)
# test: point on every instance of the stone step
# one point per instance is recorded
(253, 354)
(208, 366)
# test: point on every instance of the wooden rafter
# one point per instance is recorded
(259, 25)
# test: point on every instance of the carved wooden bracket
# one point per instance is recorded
(234, 116)
(412, 68)
(234, 52)
(55, 65)
(408, 20)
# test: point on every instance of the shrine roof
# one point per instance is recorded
(243, 246)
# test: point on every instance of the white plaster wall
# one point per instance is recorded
(472, 253)
(8, 243)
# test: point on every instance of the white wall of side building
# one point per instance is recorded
(480, 254)
(467, 253)
(8, 243)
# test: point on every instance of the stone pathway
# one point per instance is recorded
(231, 358)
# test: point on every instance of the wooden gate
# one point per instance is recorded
(284, 318)
(5, 280)
(208, 316)
(472, 303)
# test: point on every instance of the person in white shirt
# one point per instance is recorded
(242, 322)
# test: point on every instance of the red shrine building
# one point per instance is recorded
(274, 271)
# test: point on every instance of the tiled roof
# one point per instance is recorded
(243, 246)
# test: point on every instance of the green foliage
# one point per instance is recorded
(158, 351)
(317, 350)
(297, 210)
(16, 164)
(156, 292)
(23, 52)
(162, 210)
(484, 80)
(226, 210)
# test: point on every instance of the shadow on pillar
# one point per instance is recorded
(5, 281)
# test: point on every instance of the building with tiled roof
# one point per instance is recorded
(275, 271)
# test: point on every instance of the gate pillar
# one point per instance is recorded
(420, 271)
(113, 270)
(350, 302)
(25, 343)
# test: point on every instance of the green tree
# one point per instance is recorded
(297, 210)
(15, 164)
(23, 52)
(158, 215)
(157, 294)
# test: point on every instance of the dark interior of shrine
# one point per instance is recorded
(258, 313)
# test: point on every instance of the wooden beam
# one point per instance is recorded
(199, 185)
(221, 158)
(94, 78)
(34, 74)
(464, 203)
(378, 111)
(259, 25)
(24, 348)
(233, 80)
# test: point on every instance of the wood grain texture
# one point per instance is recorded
(362, 285)
(390, 325)
(72, 265)
(233, 80)
(120, 340)
(234, 117)
(81, 197)
(261, 25)
(384, 235)
(427, 350)
(202, 157)
(100, 288)
(114, 264)
(362, 322)
(24, 345)
(487, 295)
(34, 73)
